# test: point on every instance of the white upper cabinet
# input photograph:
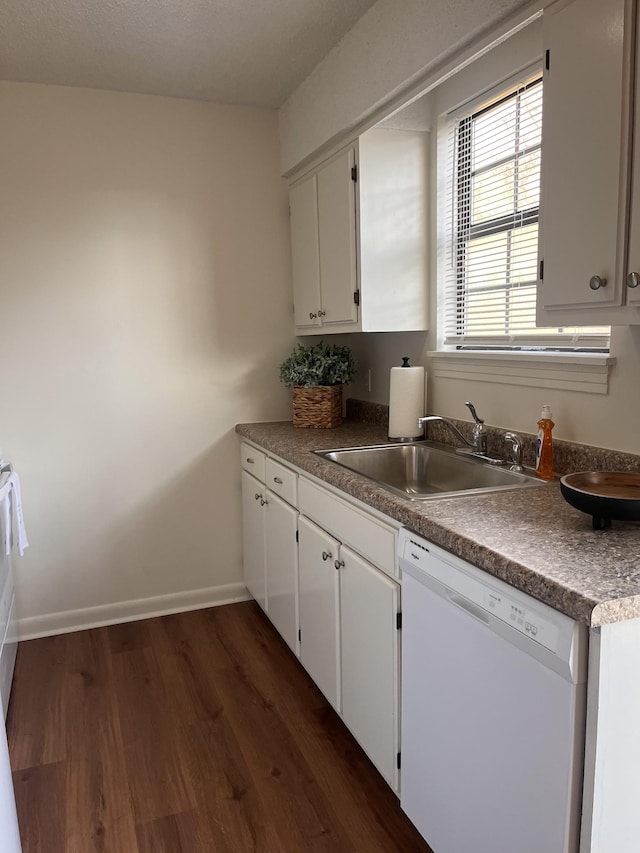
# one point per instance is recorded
(359, 237)
(305, 252)
(632, 270)
(586, 153)
(337, 237)
(394, 233)
(323, 246)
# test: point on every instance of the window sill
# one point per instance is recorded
(562, 371)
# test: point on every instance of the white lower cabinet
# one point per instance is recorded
(349, 641)
(327, 584)
(369, 607)
(282, 568)
(253, 538)
(349, 619)
(319, 608)
(269, 535)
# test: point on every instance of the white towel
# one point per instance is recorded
(15, 532)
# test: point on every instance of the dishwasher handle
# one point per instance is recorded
(468, 606)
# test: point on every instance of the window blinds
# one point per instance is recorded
(493, 164)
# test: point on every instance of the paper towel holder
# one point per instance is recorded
(408, 422)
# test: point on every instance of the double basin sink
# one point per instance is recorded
(420, 471)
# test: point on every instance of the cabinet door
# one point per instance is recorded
(253, 538)
(632, 271)
(393, 201)
(337, 234)
(370, 655)
(319, 608)
(305, 252)
(282, 568)
(584, 148)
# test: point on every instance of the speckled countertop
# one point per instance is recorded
(530, 538)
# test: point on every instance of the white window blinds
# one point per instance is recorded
(493, 167)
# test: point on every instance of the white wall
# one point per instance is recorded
(609, 421)
(393, 44)
(145, 305)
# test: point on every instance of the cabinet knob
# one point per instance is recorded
(339, 564)
(263, 502)
(312, 316)
(596, 282)
(278, 480)
(250, 460)
(322, 313)
(633, 279)
(257, 496)
(326, 555)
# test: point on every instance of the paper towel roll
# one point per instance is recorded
(406, 402)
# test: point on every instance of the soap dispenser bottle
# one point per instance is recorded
(544, 445)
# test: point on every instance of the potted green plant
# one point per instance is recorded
(316, 373)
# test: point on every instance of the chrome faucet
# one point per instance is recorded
(423, 421)
(478, 443)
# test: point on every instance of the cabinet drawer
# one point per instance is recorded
(365, 534)
(282, 481)
(253, 460)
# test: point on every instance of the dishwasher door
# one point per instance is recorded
(492, 721)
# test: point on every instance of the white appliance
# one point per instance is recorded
(493, 709)
(9, 832)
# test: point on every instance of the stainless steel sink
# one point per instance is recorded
(423, 471)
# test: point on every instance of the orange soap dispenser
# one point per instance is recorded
(544, 445)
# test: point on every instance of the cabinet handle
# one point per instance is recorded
(250, 460)
(278, 480)
(633, 279)
(596, 282)
(257, 496)
(326, 555)
(339, 564)
(263, 502)
(312, 316)
(322, 313)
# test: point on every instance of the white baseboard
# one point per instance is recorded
(66, 621)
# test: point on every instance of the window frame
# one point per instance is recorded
(452, 298)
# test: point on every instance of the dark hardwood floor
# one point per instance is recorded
(193, 732)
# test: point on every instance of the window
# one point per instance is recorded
(493, 169)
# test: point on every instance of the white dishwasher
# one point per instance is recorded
(493, 709)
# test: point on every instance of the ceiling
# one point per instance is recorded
(231, 51)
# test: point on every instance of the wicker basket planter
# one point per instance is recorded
(317, 407)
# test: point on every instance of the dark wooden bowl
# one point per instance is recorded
(605, 495)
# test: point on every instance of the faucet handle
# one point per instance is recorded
(479, 434)
(474, 414)
(516, 450)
